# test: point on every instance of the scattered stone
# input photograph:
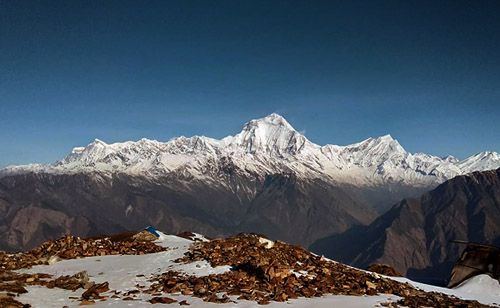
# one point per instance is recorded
(13, 288)
(384, 269)
(73, 282)
(14, 284)
(262, 272)
(187, 235)
(10, 302)
(95, 291)
(72, 247)
(162, 300)
(145, 236)
(371, 285)
(87, 302)
(53, 260)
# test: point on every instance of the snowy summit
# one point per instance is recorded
(269, 145)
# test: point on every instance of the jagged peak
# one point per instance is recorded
(272, 120)
(77, 150)
(193, 139)
(385, 142)
(386, 137)
(271, 133)
(274, 117)
(487, 154)
(482, 156)
(450, 158)
(481, 161)
(98, 141)
(390, 142)
(146, 140)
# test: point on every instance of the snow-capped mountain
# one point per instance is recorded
(266, 146)
(479, 162)
(268, 178)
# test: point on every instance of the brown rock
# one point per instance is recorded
(95, 291)
(15, 287)
(87, 302)
(144, 236)
(10, 302)
(162, 300)
(384, 269)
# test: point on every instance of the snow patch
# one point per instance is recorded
(483, 297)
(128, 210)
(266, 242)
(199, 237)
(480, 284)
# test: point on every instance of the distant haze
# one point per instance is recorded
(426, 72)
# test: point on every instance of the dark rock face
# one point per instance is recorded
(414, 236)
(297, 211)
(37, 207)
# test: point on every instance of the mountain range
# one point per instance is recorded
(416, 236)
(268, 178)
(266, 146)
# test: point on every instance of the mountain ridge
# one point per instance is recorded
(269, 145)
(415, 236)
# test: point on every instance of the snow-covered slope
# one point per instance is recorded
(481, 285)
(482, 288)
(133, 273)
(480, 161)
(265, 146)
(125, 273)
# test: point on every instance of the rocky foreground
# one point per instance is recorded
(68, 247)
(242, 268)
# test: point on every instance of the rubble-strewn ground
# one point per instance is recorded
(68, 247)
(265, 271)
(240, 271)
(71, 247)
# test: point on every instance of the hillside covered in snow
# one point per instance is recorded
(140, 270)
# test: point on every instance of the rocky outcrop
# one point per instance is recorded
(415, 236)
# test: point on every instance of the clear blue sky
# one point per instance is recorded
(427, 72)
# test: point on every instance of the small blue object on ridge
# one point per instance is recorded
(152, 230)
